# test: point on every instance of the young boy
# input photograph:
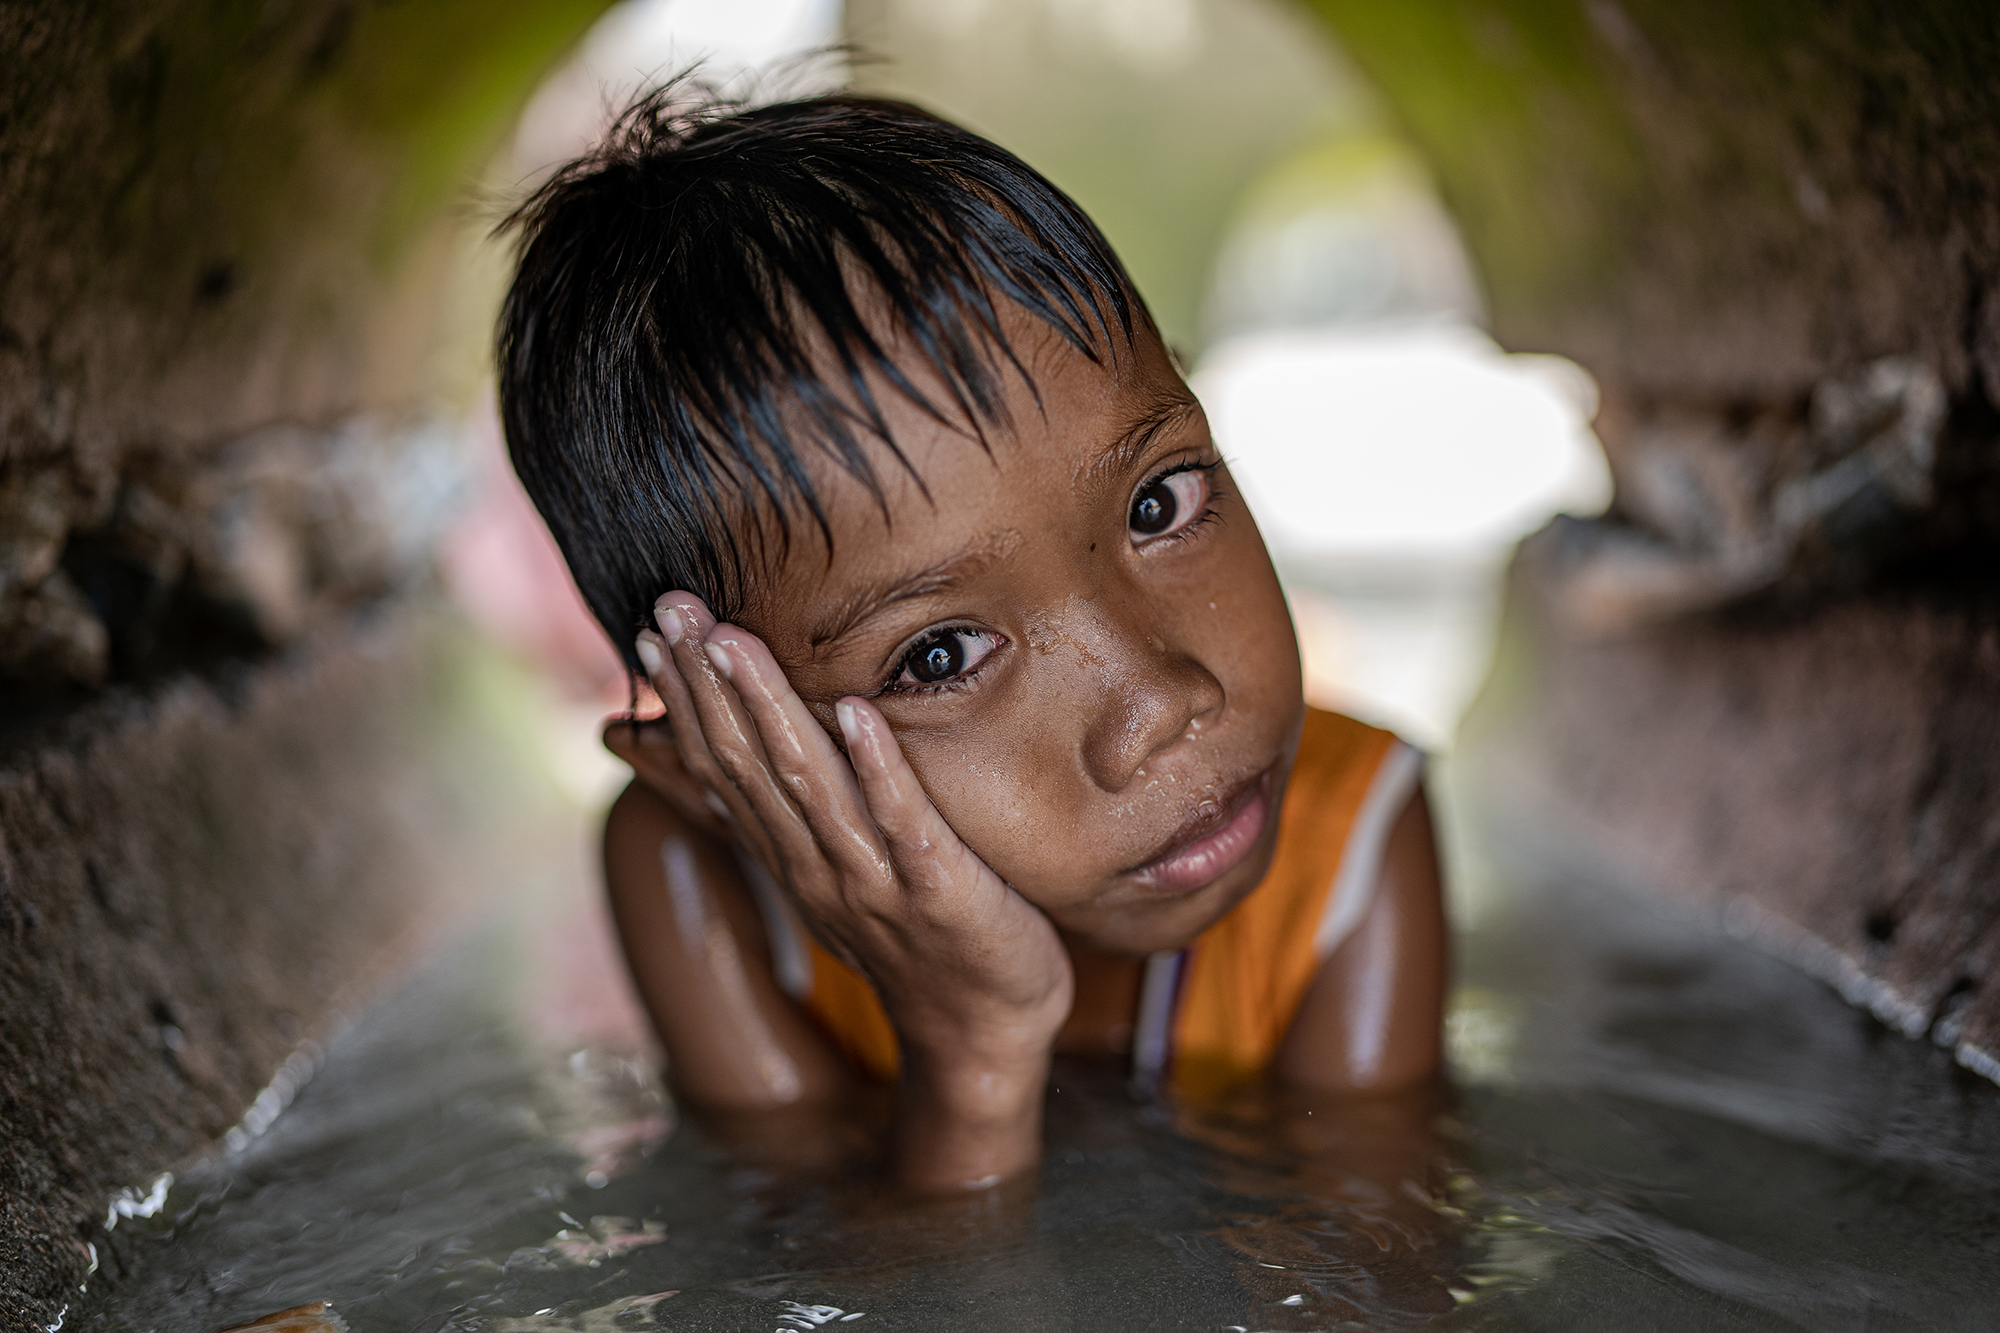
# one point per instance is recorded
(984, 737)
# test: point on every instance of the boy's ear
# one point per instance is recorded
(648, 747)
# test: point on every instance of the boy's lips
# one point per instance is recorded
(1212, 841)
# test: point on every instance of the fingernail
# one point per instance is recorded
(721, 660)
(671, 625)
(850, 723)
(717, 804)
(649, 655)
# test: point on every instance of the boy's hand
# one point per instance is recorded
(972, 975)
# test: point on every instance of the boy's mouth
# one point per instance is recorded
(1212, 841)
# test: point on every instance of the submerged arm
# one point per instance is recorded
(696, 944)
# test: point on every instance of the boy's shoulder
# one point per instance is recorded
(1335, 745)
(1350, 782)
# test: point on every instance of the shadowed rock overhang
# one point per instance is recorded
(229, 229)
(1768, 680)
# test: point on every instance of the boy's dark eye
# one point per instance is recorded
(1168, 504)
(1153, 511)
(944, 655)
(940, 659)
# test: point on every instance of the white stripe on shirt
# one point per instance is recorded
(1152, 1035)
(1396, 779)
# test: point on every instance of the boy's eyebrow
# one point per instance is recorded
(933, 578)
(1168, 410)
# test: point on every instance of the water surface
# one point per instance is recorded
(1650, 1127)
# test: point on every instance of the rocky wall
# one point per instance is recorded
(1825, 784)
(231, 230)
(192, 882)
(233, 249)
(1766, 678)
(1713, 201)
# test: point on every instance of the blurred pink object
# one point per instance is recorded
(506, 572)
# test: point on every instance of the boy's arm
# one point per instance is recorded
(1373, 1019)
(696, 944)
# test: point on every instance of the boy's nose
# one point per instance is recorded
(1150, 696)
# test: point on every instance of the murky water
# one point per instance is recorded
(1651, 1128)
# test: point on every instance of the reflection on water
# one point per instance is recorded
(1652, 1128)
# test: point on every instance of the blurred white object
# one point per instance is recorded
(1392, 468)
(1421, 443)
(642, 42)
(1409, 658)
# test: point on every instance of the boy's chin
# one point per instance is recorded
(1138, 930)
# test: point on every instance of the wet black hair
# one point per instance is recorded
(686, 320)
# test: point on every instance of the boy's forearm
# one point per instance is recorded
(695, 946)
(968, 1121)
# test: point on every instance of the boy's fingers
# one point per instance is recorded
(805, 760)
(928, 856)
(725, 728)
(732, 738)
(682, 719)
(692, 745)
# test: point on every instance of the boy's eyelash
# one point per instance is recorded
(1209, 512)
(940, 687)
(1191, 465)
(1207, 516)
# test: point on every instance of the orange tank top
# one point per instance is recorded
(1215, 1012)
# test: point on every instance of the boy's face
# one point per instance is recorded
(1077, 638)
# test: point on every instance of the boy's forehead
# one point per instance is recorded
(962, 496)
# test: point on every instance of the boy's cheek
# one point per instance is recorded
(986, 790)
(1256, 646)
